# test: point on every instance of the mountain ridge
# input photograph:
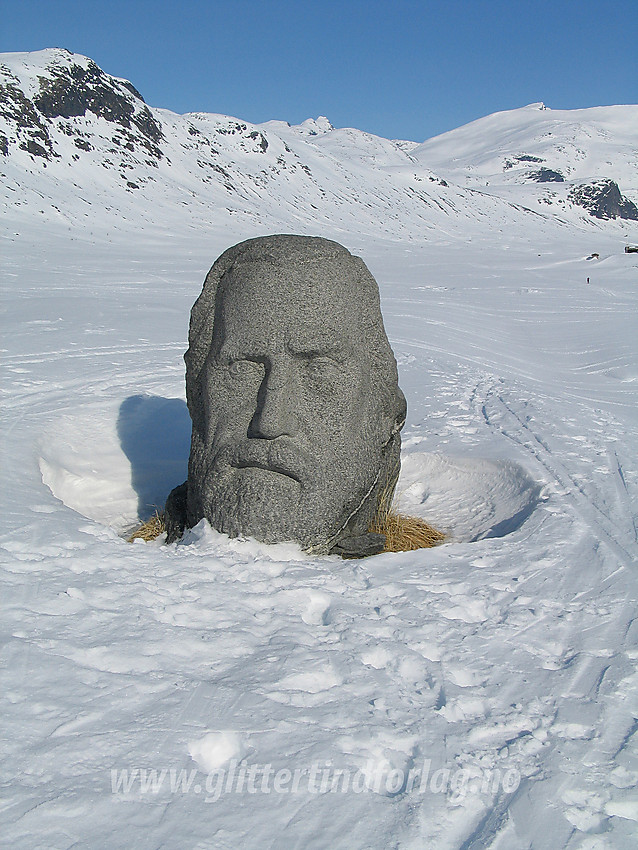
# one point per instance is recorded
(70, 134)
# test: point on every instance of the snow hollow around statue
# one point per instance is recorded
(117, 467)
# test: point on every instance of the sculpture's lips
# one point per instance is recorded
(269, 468)
(273, 456)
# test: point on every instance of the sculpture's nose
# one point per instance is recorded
(275, 415)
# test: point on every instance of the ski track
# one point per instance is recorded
(515, 428)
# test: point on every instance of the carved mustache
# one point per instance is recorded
(279, 455)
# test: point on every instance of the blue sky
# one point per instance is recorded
(400, 68)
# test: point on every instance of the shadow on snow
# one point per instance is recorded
(155, 435)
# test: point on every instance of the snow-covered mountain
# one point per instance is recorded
(73, 137)
(220, 693)
(544, 156)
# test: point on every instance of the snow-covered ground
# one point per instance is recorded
(480, 694)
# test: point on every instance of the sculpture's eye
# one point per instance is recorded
(241, 368)
(317, 365)
(321, 368)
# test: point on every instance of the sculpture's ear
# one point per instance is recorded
(384, 362)
(402, 411)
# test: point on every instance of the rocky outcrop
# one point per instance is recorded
(547, 175)
(521, 158)
(602, 199)
(71, 90)
(30, 130)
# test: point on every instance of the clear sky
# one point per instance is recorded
(406, 69)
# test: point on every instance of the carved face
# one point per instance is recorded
(292, 388)
(288, 388)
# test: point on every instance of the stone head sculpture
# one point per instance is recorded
(292, 388)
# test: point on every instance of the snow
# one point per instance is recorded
(479, 694)
(215, 750)
(508, 147)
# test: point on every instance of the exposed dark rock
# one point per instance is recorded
(228, 180)
(82, 144)
(148, 125)
(263, 143)
(602, 199)
(32, 147)
(547, 175)
(72, 91)
(523, 157)
(231, 128)
(132, 89)
(31, 133)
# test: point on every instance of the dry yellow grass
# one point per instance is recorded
(402, 533)
(150, 529)
(405, 533)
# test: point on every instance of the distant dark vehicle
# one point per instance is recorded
(631, 249)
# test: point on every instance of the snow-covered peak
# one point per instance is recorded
(315, 126)
(30, 69)
(581, 143)
(24, 64)
(367, 148)
(311, 127)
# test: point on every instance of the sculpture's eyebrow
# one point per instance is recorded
(317, 345)
(229, 351)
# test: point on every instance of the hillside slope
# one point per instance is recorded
(546, 157)
(78, 144)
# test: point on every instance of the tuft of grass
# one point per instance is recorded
(405, 533)
(150, 529)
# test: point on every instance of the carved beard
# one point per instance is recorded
(274, 491)
(255, 502)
